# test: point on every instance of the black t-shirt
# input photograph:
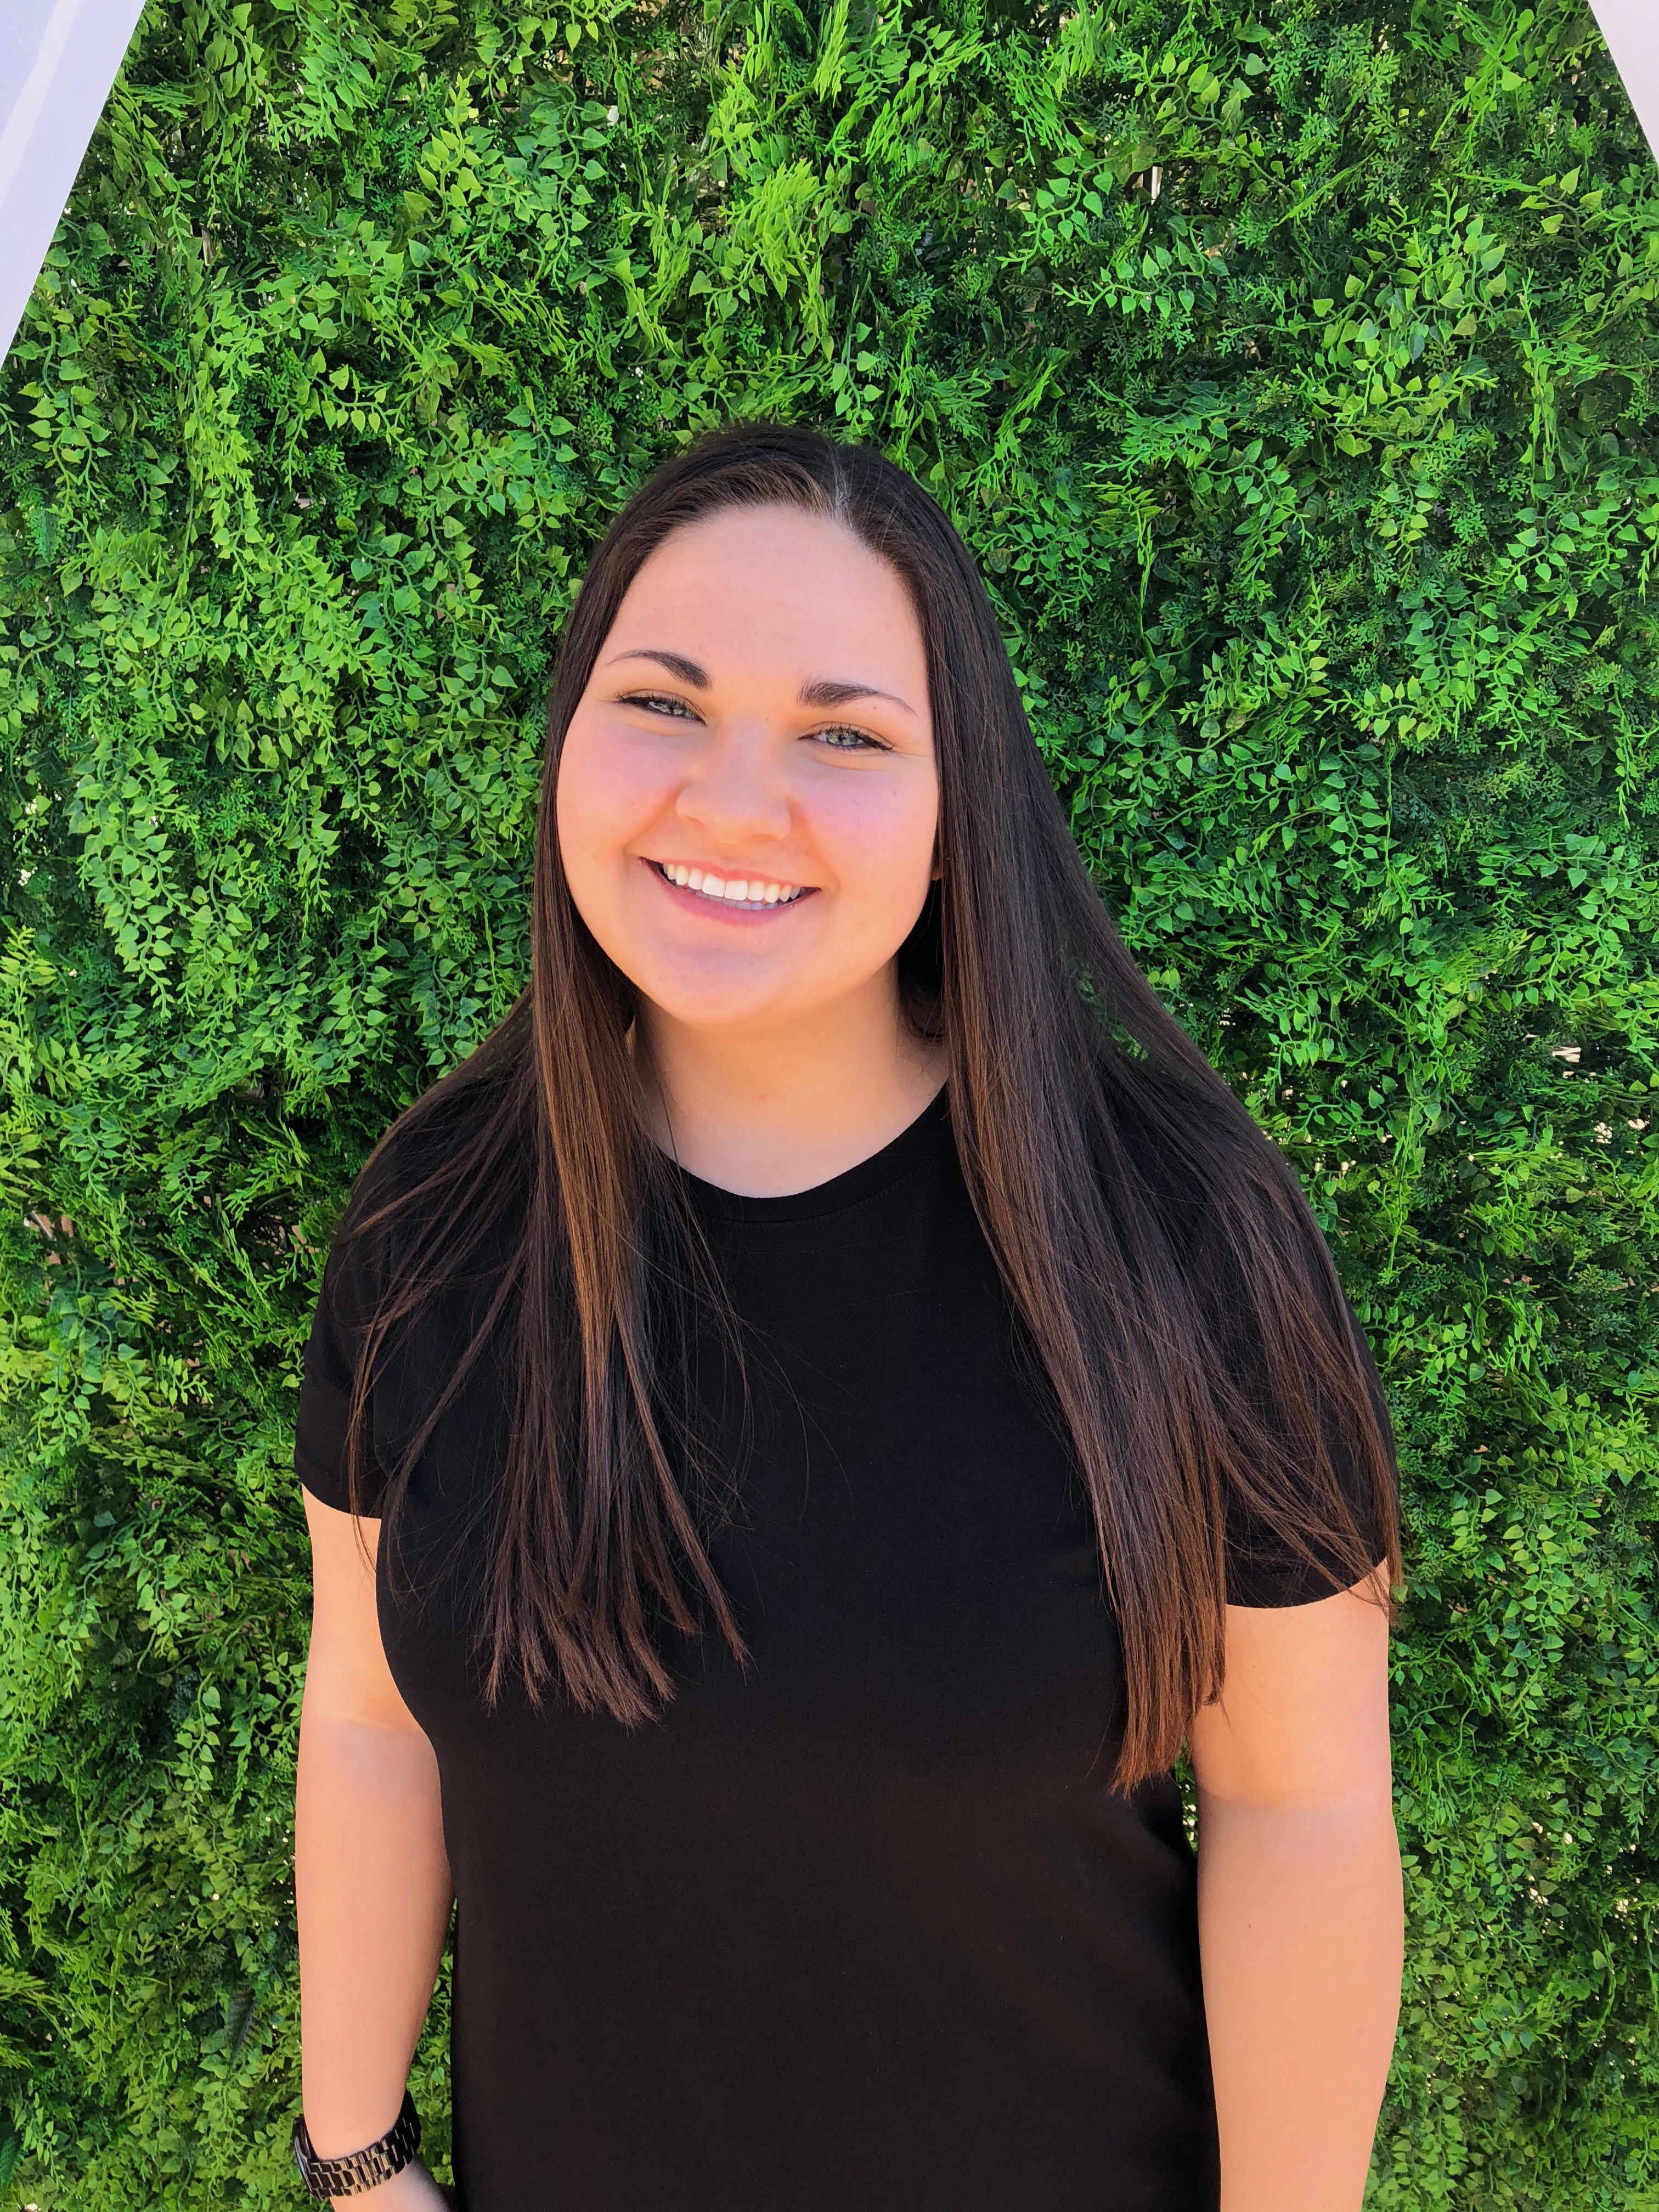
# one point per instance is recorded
(864, 1929)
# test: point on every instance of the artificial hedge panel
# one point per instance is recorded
(1295, 379)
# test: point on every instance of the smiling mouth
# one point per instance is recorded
(748, 894)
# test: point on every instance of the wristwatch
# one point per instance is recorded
(365, 2169)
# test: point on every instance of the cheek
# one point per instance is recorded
(608, 792)
(879, 839)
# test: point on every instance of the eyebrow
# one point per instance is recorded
(675, 663)
(826, 691)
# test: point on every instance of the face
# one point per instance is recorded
(747, 797)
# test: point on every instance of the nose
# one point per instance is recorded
(735, 792)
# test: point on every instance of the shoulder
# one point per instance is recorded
(1249, 1254)
(413, 1189)
(416, 1171)
(1294, 1418)
(428, 1136)
(1215, 1179)
(1187, 1184)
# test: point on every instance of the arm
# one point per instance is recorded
(371, 1873)
(1300, 1901)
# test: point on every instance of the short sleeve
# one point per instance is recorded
(1262, 1569)
(343, 1308)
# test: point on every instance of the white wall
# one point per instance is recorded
(58, 62)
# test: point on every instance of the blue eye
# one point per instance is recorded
(658, 702)
(845, 739)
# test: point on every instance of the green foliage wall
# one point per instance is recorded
(1296, 381)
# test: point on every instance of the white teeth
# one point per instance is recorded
(736, 891)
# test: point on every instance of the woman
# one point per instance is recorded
(835, 1392)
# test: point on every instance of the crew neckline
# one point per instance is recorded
(850, 1188)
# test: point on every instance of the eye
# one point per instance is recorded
(660, 702)
(845, 738)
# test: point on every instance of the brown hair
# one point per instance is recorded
(1147, 1233)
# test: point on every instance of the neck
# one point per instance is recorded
(765, 1113)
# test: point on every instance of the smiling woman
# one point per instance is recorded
(749, 857)
(835, 1392)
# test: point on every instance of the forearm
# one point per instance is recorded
(373, 1894)
(1300, 1926)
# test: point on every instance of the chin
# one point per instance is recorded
(714, 1010)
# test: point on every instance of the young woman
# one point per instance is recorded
(835, 1392)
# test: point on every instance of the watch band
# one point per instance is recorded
(365, 2169)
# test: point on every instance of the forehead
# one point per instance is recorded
(771, 584)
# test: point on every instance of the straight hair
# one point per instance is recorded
(1183, 1322)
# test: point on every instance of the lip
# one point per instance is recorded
(720, 910)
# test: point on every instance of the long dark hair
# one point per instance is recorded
(1145, 1228)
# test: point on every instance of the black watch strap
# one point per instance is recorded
(364, 2169)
